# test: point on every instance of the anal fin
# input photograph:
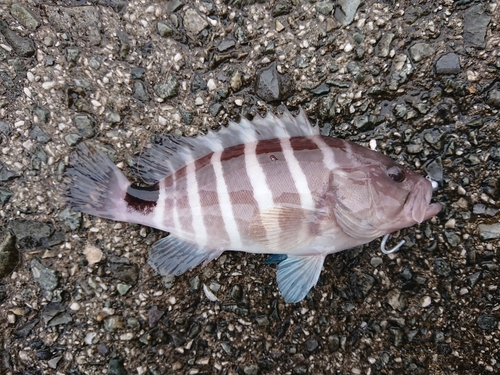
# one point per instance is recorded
(296, 275)
(173, 256)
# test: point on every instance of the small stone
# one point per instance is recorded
(5, 195)
(168, 89)
(7, 174)
(476, 23)
(376, 261)
(85, 125)
(487, 322)
(262, 320)
(251, 370)
(489, 231)
(384, 45)
(42, 113)
(321, 89)
(441, 267)
(426, 301)
(452, 238)
(123, 44)
(195, 283)
(346, 11)
(25, 16)
(448, 64)
(9, 255)
(128, 273)
(236, 81)
(194, 23)
(281, 8)
(94, 63)
(272, 86)
(23, 46)
(140, 92)
(324, 7)
(226, 44)
(123, 288)
(493, 98)
(113, 323)
(420, 51)
(154, 316)
(116, 366)
(72, 54)
(311, 345)
(164, 30)
(93, 254)
(44, 276)
(72, 139)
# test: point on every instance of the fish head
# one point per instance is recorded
(378, 196)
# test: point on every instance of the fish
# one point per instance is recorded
(270, 185)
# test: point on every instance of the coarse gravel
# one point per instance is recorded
(418, 80)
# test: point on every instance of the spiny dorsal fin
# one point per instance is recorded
(173, 152)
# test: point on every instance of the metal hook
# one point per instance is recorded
(394, 249)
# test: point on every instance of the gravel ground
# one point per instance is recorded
(419, 78)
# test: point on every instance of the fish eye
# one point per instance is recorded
(396, 173)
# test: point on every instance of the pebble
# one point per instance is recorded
(23, 46)
(9, 255)
(476, 23)
(384, 45)
(489, 231)
(194, 23)
(426, 301)
(448, 64)
(168, 89)
(271, 85)
(93, 254)
(346, 11)
(420, 51)
(487, 322)
(441, 267)
(25, 16)
(44, 276)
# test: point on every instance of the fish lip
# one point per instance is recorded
(419, 206)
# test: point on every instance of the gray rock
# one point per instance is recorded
(42, 113)
(193, 22)
(140, 92)
(475, 25)
(125, 272)
(272, 86)
(116, 366)
(452, 238)
(85, 125)
(31, 234)
(324, 7)
(123, 44)
(72, 139)
(448, 64)
(262, 320)
(23, 46)
(7, 174)
(487, 322)
(226, 44)
(72, 54)
(311, 345)
(70, 218)
(25, 16)
(346, 10)
(39, 135)
(154, 316)
(281, 8)
(5, 195)
(9, 256)
(384, 45)
(164, 29)
(169, 89)
(420, 51)
(95, 63)
(321, 89)
(489, 231)
(493, 98)
(44, 276)
(441, 267)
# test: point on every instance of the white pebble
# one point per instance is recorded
(211, 85)
(93, 254)
(75, 306)
(27, 92)
(426, 301)
(348, 47)
(95, 103)
(209, 294)
(48, 85)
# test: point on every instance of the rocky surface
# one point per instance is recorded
(418, 78)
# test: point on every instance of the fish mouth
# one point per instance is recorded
(418, 205)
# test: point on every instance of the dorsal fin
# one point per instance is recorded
(173, 152)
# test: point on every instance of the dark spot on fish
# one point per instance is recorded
(273, 158)
(142, 199)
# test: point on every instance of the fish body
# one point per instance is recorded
(272, 185)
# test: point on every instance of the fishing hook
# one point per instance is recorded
(394, 249)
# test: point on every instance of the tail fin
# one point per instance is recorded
(96, 185)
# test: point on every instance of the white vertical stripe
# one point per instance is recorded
(328, 155)
(200, 231)
(261, 192)
(226, 208)
(159, 210)
(298, 176)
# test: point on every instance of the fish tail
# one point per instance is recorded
(95, 185)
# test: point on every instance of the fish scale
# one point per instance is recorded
(271, 185)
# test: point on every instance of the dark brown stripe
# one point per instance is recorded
(142, 199)
(303, 143)
(232, 152)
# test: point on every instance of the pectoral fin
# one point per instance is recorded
(173, 256)
(296, 275)
(282, 228)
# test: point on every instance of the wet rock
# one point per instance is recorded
(420, 51)
(164, 29)
(123, 44)
(487, 322)
(226, 44)
(140, 92)
(324, 7)
(9, 256)
(489, 231)
(476, 22)
(434, 169)
(31, 234)
(42, 113)
(493, 98)
(311, 345)
(154, 316)
(25, 16)
(193, 22)
(85, 125)
(116, 366)
(281, 7)
(44, 276)
(452, 238)
(6, 174)
(23, 46)
(448, 64)
(321, 89)
(384, 45)
(5, 195)
(346, 10)
(168, 89)
(272, 86)
(125, 272)
(441, 267)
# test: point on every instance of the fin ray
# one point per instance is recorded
(174, 256)
(296, 275)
